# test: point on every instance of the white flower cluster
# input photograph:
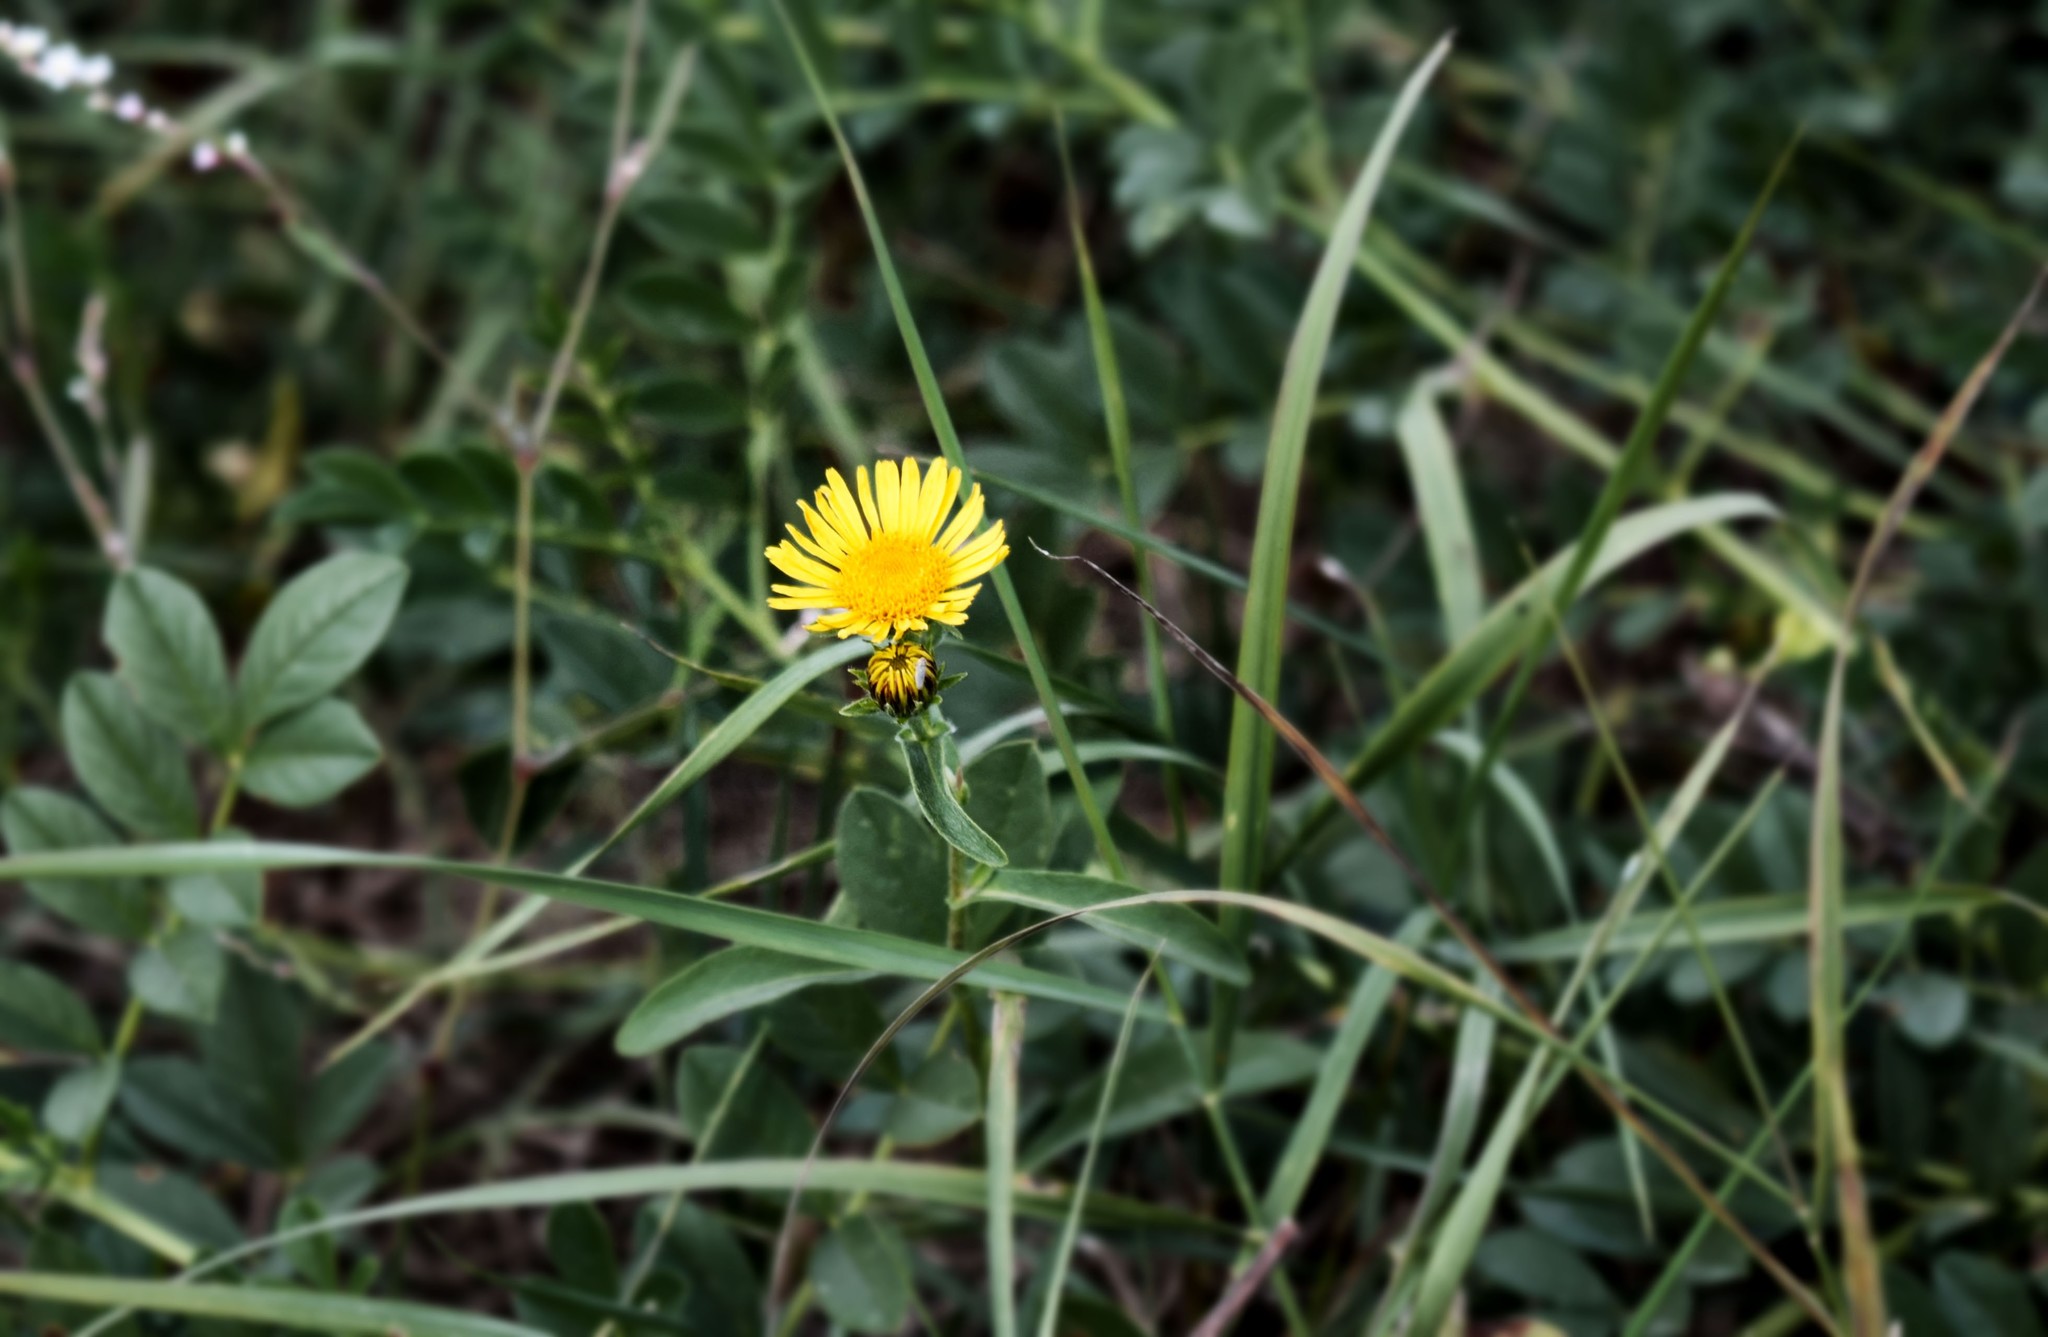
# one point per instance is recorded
(62, 67)
(56, 65)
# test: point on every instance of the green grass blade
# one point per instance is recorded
(745, 720)
(1440, 508)
(1248, 781)
(1676, 1264)
(1738, 920)
(1511, 626)
(1311, 1135)
(1179, 556)
(1116, 419)
(1062, 1256)
(1834, 1116)
(302, 1311)
(1634, 461)
(1006, 1052)
(1472, 1061)
(949, 441)
(858, 949)
(1504, 385)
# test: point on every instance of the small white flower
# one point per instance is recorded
(27, 43)
(78, 390)
(157, 121)
(237, 144)
(94, 71)
(129, 107)
(205, 157)
(59, 66)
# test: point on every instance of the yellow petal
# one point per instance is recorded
(910, 503)
(846, 512)
(867, 500)
(888, 492)
(963, 523)
(935, 509)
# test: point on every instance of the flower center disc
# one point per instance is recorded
(893, 577)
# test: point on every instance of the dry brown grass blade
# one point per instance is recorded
(1835, 1125)
(1333, 778)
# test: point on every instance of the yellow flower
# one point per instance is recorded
(888, 563)
(902, 677)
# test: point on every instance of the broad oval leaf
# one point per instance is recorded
(892, 867)
(862, 1275)
(40, 1014)
(169, 653)
(133, 766)
(35, 820)
(311, 755)
(316, 632)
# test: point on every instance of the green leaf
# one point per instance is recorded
(1008, 798)
(132, 766)
(580, 1246)
(316, 632)
(40, 1014)
(1998, 1123)
(1932, 1009)
(79, 1101)
(717, 986)
(892, 867)
(941, 1099)
(1982, 1297)
(762, 1116)
(180, 976)
(930, 781)
(688, 404)
(35, 821)
(226, 898)
(300, 1310)
(1537, 1267)
(311, 755)
(692, 225)
(862, 1275)
(169, 653)
(1174, 930)
(343, 1094)
(671, 303)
